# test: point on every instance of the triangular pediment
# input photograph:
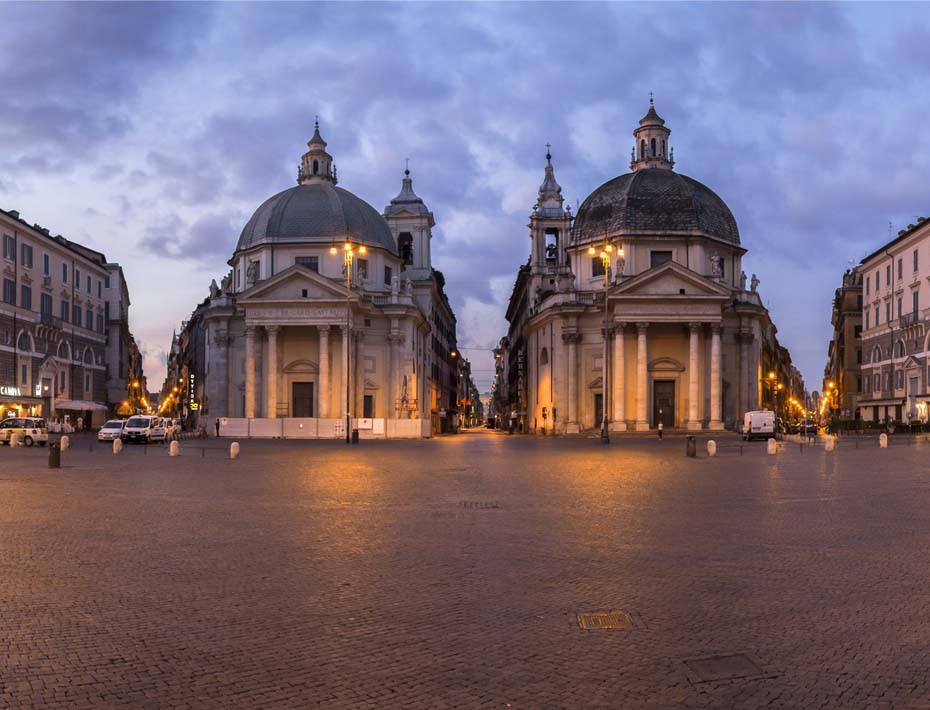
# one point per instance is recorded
(670, 279)
(291, 285)
(913, 363)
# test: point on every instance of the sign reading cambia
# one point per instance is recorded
(10, 391)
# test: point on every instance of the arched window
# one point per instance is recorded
(88, 356)
(899, 349)
(64, 351)
(544, 357)
(876, 354)
(642, 149)
(405, 247)
(316, 167)
(24, 342)
(653, 147)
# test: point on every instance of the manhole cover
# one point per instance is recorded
(722, 667)
(605, 620)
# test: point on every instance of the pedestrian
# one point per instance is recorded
(217, 425)
(660, 430)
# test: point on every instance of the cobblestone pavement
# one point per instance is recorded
(449, 574)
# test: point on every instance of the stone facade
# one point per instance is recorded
(294, 339)
(53, 325)
(842, 379)
(895, 344)
(686, 336)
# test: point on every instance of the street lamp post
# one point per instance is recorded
(348, 252)
(776, 387)
(604, 253)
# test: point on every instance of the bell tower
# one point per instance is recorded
(550, 225)
(652, 149)
(411, 223)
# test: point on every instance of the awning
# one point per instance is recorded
(78, 405)
(878, 402)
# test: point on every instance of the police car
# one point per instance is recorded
(31, 430)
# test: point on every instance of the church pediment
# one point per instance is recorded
(294, 283)
(304, 366)
(670, 279)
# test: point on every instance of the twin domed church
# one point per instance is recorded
(635, 309)
(330, 308)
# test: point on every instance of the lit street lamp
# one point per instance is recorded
(776, 388)
(348, 252)
(605, 251)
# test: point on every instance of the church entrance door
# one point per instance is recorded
(663, 403)
(302, 399)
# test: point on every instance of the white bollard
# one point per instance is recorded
(14, 440)
(711, 448)
(65, 443)
(174, 449)
(117, 446)
(771, 447)
(883, 441)
(234, 450)
(829, 442)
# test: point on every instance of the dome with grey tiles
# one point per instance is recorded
(654, 201)
(316, 213)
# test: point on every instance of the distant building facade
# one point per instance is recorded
(687, 333)
(54, 323)
(281, 357)
(895, 341)
(842, 378)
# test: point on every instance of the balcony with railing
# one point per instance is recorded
(50, 320)
(909, 319)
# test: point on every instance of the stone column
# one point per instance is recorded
(745, 385)
(693, 421)
(642, 378)
(571, 424)
(250, 335)
(619, 393)
(343, 399)
(323, 368)
(271, 383)
(715, 388)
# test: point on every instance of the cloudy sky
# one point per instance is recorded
(152, 131)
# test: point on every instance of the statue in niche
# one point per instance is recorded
(395, 285)
(408, 288)
(251, 272)
(716, 266)
(742, 280)
(754, 284)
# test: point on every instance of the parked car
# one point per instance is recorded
(31, 430)
(138, 429)
(113, 429)
(159, 429)
(758, 424)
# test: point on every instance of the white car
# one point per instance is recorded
(113, 429)
(138, 428)
(159, 429)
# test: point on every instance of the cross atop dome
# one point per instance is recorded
(652, 149)
(316, 165)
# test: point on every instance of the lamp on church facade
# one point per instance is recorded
(349, 250)
(604, 253)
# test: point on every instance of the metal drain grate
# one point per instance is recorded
(722, 667)
(605, 620)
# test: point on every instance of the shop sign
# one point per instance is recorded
(10, 391)
(191, 400)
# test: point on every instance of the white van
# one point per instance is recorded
(138, 428)
(759, 425)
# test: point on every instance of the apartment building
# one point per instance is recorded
(895, 308)
(54, 359)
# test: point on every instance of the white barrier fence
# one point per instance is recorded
(313, 428)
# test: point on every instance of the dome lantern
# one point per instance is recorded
(316, 165)
(652, 148)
